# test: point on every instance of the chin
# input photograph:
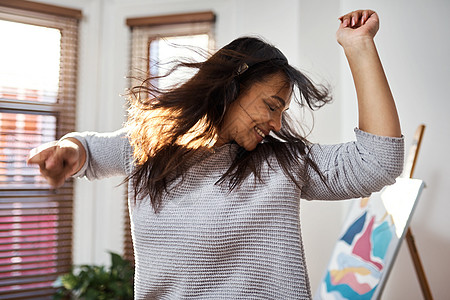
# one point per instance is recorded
(248, 144)
(250, 147)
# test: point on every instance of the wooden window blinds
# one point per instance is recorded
(37, 105)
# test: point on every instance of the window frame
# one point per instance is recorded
(151, 28)
(61, 200)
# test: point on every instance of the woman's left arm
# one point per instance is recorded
(376, 106)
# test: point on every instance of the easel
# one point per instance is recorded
(408, 173)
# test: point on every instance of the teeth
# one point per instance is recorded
(260, 132)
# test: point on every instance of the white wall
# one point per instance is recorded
(319, 55)
(414, 46)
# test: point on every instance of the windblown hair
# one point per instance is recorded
(167, 127)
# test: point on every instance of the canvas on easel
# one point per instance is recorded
(371, 238)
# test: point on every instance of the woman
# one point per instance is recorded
(214, 198)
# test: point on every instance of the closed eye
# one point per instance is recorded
(271, 107)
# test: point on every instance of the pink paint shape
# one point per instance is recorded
(350, 280)
(363, 245)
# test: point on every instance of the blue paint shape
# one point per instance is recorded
(354, 229)
(381, 238)
(346, 291)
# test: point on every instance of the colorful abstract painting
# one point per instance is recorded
(369, 242)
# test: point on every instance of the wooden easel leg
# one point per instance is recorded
(418, 266)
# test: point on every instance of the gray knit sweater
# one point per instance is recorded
(210, 243)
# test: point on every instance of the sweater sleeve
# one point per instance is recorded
(354, 169)
(107, 154)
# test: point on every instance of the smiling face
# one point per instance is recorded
(257, 111)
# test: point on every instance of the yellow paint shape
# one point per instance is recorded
(364, 202)
(384, 217)
(337, 275)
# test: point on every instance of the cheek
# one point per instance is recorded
(241, 118)
(257, 113)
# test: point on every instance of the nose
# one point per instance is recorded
(275, 123)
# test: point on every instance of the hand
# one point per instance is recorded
(58, 160)
(357, 26)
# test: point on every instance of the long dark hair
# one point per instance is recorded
(168, 127)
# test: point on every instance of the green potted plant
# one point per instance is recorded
(97, 282)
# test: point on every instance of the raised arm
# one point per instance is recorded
(376, 106)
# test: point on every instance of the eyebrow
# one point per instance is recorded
(281, 100)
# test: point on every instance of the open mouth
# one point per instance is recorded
(259, 131)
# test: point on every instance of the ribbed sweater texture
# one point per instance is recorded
(207, 242)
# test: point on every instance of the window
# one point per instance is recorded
(161, 39)
(37, 105)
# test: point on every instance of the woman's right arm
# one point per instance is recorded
(90, 154)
